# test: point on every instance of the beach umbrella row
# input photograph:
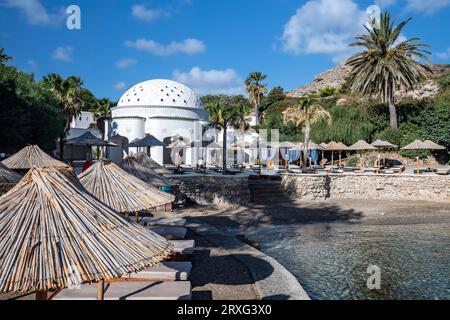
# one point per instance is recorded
(54, 234)
(121, 191)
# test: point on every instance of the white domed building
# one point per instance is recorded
(164, 109)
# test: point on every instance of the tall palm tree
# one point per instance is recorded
(67, 92)
(102, 112)
(222, 115)
(256, 90)
(303, 115)
(387, 63)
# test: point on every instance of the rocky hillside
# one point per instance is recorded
(335, 78)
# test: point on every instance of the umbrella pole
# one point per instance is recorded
(332, 159)
(101, 290)
(340, 160)
(41, 295)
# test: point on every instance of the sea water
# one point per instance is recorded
(331, 261)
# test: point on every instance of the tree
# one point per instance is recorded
(101, 113)
(303, 115)
(256, 90)
(67, 92)
(28, 115)
(387, 64)
(4, 57)
(225, 112)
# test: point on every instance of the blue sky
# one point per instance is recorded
(210, 45)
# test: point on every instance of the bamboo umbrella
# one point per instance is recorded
(334, 146)
(54, 234)
(416, 145)
(242, 145)
(177, 145)
(8, 178)
(31, 156)
(146, 161)
(7, 175)
(213, 146)
(361, 145)
(135, 168)
(344, 148)
(381, 144)
(122, 191)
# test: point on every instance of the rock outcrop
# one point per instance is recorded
(336, 77)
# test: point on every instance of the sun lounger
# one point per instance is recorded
(130, 290)
(443, 171)
(163, 221)
(183, 247)
(169, 232)
(165, 271)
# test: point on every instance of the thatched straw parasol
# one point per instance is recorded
(415, 145)
(54, 234)
(418, 145)
(7, 175)
(132, 166)
(361, 145)
(122, 191)
(383, 145)
(430, 145)
(31, 156)
(145, 160)
(8, 179)
(335, 146)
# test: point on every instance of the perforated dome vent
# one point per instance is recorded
(160, 92)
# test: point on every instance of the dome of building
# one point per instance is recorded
(161, 93)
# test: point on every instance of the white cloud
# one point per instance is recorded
(427, 7)
(120, 85)
(141, 12)
(34, 12)
(125, 63)
(211, 81)
(324, 26)
(443, 55)
(188, 46)
(63, 53)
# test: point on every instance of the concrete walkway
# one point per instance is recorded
(271, 279)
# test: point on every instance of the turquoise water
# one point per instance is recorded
(331, 260)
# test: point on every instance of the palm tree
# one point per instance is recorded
(256, 90)
(101, 113)
(303, 115)
(224, 114)
(387, 64)
(3, 56)
(67, 92)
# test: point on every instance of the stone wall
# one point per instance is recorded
(230, 191)
(341, 186)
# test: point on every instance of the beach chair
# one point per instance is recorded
(165, 271)
(131, 290)
(442, 171)
(163, 221)
(169, 232)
